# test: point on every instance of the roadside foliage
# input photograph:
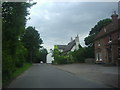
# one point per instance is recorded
(16, 51)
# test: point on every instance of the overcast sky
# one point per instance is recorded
(57, 22)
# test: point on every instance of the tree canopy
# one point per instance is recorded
(32, 41)
(13, 26)
(95, 30)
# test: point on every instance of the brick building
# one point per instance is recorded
(107, 43)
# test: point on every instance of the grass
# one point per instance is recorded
(21, 70)
(15, 74)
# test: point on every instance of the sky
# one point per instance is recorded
(57, 22)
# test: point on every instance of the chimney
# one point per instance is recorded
(77, 42)
(114, 18)
(77, 38)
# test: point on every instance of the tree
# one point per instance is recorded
(89, 40)
(40, 55)
(94, 31)
(43, 54)
(13, 25)
(32, 41)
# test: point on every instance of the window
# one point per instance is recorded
(97, 56)
(104, 29)
(118, 35)
(118, 52)
(98, 43)
(110, 48)
(110, 38)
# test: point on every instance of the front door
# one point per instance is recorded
(109, 55)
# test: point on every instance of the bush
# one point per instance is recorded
(89, 52)
(62, 60)
(70, 59)
(79, 55)
(8, 66)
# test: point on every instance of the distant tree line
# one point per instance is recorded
(20, 45)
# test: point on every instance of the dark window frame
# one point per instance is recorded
(110, 37)
(119, 52)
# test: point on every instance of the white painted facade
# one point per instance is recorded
(60, 50)
(49, 57)
(73, 49)
(77, 43)
(76, 46)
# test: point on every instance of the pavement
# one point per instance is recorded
(50, 76)
(107, 75)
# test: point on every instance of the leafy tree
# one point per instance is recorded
(32, 41)
(80, 46)
(13, 25)
(94, 31)
(79, 55)
(40, 55)
(43, 53)
(56, 53)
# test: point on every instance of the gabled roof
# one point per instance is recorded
(62, 46)
(69, 46)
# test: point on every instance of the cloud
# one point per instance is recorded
(57, 22)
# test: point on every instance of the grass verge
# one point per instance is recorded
(15, 74)
(21, 70)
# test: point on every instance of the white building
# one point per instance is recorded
(71, 46)
(49, 57)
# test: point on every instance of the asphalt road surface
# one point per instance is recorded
(47, 76)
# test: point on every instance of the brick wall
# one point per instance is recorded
(103, 46)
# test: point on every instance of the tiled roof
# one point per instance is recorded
(68, 47)
(62, 46)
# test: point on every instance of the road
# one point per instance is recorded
(47, 76)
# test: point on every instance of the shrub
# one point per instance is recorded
(62, 60)
(70, 59)
(79, 55)
(89, 52)
(8, 66)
